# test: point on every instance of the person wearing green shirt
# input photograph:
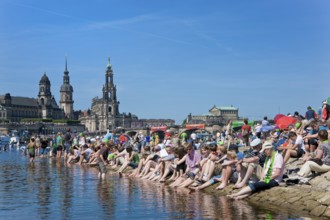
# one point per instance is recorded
(59, 145)
(131, 158)
(184, 136)
(32, 149)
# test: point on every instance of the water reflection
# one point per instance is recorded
(44, 186)
(48, 189)
(105, 192)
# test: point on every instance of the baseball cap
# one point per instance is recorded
(255, 142)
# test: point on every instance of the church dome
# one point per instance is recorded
(66, 88)
(7, 96)
(44, 80)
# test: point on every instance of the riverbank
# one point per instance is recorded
(312, 199)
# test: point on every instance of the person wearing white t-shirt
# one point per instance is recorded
(295, 148)
(193, 136)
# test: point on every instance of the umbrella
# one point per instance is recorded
(278, 116)
(267, 128)
(285, 121)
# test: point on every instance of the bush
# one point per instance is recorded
(31, 120)
(66, 121)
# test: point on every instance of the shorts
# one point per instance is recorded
(190, 175)
(133, 165)
(234, 177)
(87, 157)
(67, 147)
(102, 167)
(256, 168)
(43, 150)
(156, 158)
(59, 148)
(258, 186)
(300, 153)
(181, 166)
(54, 149)
(313, 141)
(32, 155)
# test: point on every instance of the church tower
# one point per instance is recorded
(66, 102)
(45, 96)
(110, 97)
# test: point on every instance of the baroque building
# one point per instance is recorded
(46, 101)
(104, 113)
(15, 108)
(216, 116)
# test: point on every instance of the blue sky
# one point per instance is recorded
(171, 58)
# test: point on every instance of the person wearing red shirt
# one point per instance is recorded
(246, 129)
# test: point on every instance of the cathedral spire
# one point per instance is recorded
(109, 65)
(66, 72)
(66, 64)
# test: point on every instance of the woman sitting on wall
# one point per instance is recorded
(321, 162)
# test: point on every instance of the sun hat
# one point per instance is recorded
(266, 145)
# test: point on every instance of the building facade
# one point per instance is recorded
(216, 116)
(16, 108)
(104, 113)
(46, 101)
(148, 123)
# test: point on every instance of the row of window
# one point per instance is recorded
(229, 112)
(211, 117)
(27, 114)
(3, 114)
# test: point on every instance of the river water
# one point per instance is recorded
(47, 189)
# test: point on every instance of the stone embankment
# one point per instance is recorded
(312, 199)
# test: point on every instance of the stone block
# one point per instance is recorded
(318, 210)
(326, 213)
(326, 202)
(322, 197)
(294, 199)
(310, 205)
(305, 188)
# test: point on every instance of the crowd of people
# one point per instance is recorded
(251, 158)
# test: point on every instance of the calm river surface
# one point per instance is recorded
(49, 190)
